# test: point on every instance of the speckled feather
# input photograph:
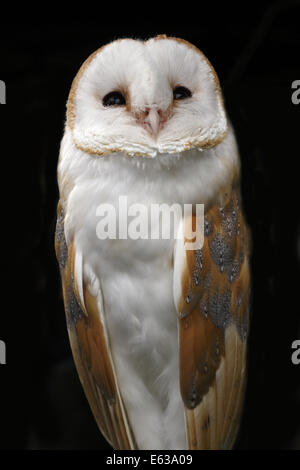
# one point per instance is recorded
(213, 327)
(90, 349)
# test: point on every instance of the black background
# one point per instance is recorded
(255, 50)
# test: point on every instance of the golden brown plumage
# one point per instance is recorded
(213, 325)
(90, 349)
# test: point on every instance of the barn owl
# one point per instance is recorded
(158, 332)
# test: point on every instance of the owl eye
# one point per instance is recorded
(181, 92)
(114, 98)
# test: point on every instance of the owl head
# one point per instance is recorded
(160, 96)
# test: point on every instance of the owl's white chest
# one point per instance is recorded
(142, 325)
(136, 278)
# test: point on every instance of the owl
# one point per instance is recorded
(158, 331)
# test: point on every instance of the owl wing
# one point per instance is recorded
(211, 292)
(90, 344)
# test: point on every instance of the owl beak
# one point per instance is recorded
(153, 120)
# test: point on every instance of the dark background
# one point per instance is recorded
(255, 50)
